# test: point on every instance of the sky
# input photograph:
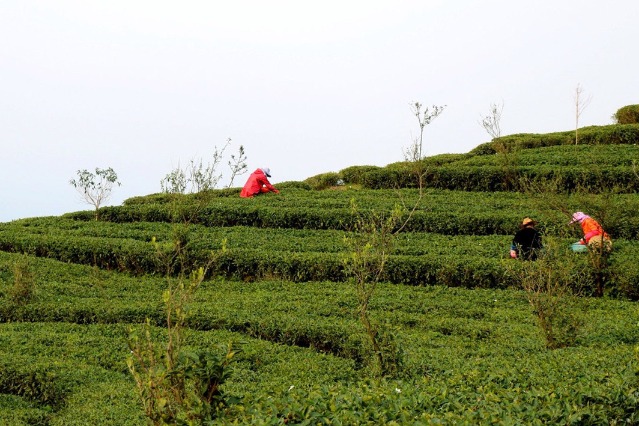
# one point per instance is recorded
(306, 87)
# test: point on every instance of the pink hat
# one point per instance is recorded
(578, 217)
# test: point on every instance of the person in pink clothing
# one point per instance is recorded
(594, 234)
(258, 183)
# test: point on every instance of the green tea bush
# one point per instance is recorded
(489, 176)
(323, 180)
(464, 398)
(354, 174)
(599, 157)
(469, 356)
(23, 289)
(450, 256)
(34, 381)
(444, 211)
(15, 410)
(627, 115)
(294, 184)
(593, 135)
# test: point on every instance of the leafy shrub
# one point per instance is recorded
(294, 184)
(355, 174)
(160, 198)
(627, 115)
(23, 289)
(15, 410)
(34, 381)
(591, 135)
(323, 180)
(487, 148)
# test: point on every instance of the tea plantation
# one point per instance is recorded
(467, 340)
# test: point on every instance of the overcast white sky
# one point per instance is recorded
(306, 87)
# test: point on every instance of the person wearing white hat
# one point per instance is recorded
(258, 183)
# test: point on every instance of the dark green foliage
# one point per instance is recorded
(482, 169)
(469, 355)
(34, 382)
(293, 185)
(23, 288)
(487, 148)
(355, 174)
(592, 135)
(603, 160)
(627, 115)
(458, 239)
(15, 410)
(323, 181)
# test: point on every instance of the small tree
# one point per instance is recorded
(369, 245)
(237, 165)
(95, 188)
(506, 153)
(581, 103)
(552, 285)
(491, 121)
(174, 182)
(414, 154)
(200, 177)
(175, 385)
(424, 118)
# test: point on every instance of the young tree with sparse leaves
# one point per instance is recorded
(95, 188)
(199, 177)
(413, 154)
(581, 102)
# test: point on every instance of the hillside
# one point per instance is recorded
(462, 335)
(603, 160)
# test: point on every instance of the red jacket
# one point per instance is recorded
(257, 183)
(591, 228)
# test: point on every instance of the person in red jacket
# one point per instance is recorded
(258, 183)
(594, 234)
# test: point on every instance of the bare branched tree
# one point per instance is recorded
(491, 121)
(425, 117)
(581, 102)
(237, 164)
(414, 154)
(199, 176)
(369, 245)
(552, 285)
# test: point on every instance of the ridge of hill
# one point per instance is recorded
(602, 160)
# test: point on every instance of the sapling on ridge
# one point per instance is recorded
(95, 188)
(492, 121)
(414, 153)
(199, 177)
(369, 245)
(581, 102)
(552, 285)
(177, 385)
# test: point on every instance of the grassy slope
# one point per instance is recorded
(455, 337)
(469, 355)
